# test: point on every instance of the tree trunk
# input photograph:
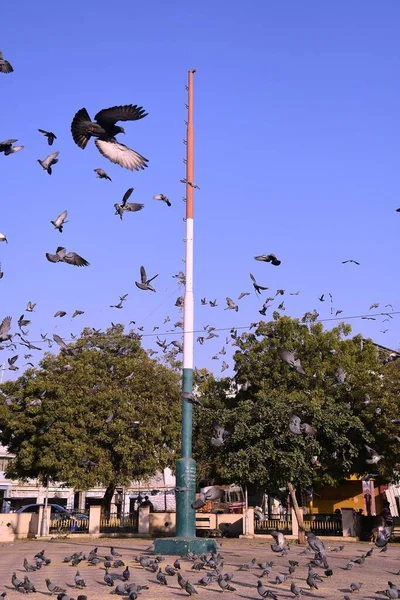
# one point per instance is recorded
(108, 496)
(298, 513)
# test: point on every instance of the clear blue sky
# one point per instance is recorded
(297, 153)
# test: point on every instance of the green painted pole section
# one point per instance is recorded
(186, 467)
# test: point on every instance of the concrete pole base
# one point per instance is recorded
(181, 546)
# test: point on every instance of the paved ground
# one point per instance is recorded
(374, 573)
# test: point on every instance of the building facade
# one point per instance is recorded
(14, 494)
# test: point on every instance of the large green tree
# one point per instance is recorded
(259, 401)
(99, 412)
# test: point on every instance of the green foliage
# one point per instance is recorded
(266, 391)
(64, 433)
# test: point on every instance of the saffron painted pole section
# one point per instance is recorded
(186, 466)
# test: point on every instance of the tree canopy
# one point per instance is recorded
(99, 412)
(347, 412)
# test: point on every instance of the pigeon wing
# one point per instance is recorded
(128, 112)
(127, 195)
(5, 326)
(54, 258)
(121, 155)
(8, 142)
(133, 206)
(74, 259)
(80, 128)
(143, 275)
(50, 159)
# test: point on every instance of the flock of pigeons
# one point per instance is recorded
(147, 571)
(104, 129)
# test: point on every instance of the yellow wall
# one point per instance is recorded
(346, 495)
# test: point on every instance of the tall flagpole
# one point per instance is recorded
(185, 540)
(186, 466)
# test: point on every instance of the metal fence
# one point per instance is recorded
(322, 524)
(266, 525)
(114, 523)
(76, 523)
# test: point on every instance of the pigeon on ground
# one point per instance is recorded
(162, 198)
(53, 588)
(161, 578)
(104, 128)
(59, 222)
(145, 284)
(295, 589)
(28, 567)
(127, 206)
(50, 136)
(71, 258)
(79, 581)
(7, 147)
(28, 585)
(225, 585)
(5, 66)
(265, 592)
(355, 587)
(48, 162)
(268, 258)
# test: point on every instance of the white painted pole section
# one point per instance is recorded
(188, 307)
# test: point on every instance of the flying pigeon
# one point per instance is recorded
(127, 206)
(3, 238)
(257, 287)
(162, 198)
(101, 174)
(59, 222)
(50, 136)
(105, 129)
(297, 427)
(1, 272)
(5, 327)
(374, 456)
(145, 284)
(47, 162)
(231, 305)
(290, 359)
(220, 435)
(350, 260)
(5, 66)
(268, 258)
(7, 147)
(213, 493)
(71, 258)
(279, 541)
(30, 307)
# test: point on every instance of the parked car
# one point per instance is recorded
(60, 514)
